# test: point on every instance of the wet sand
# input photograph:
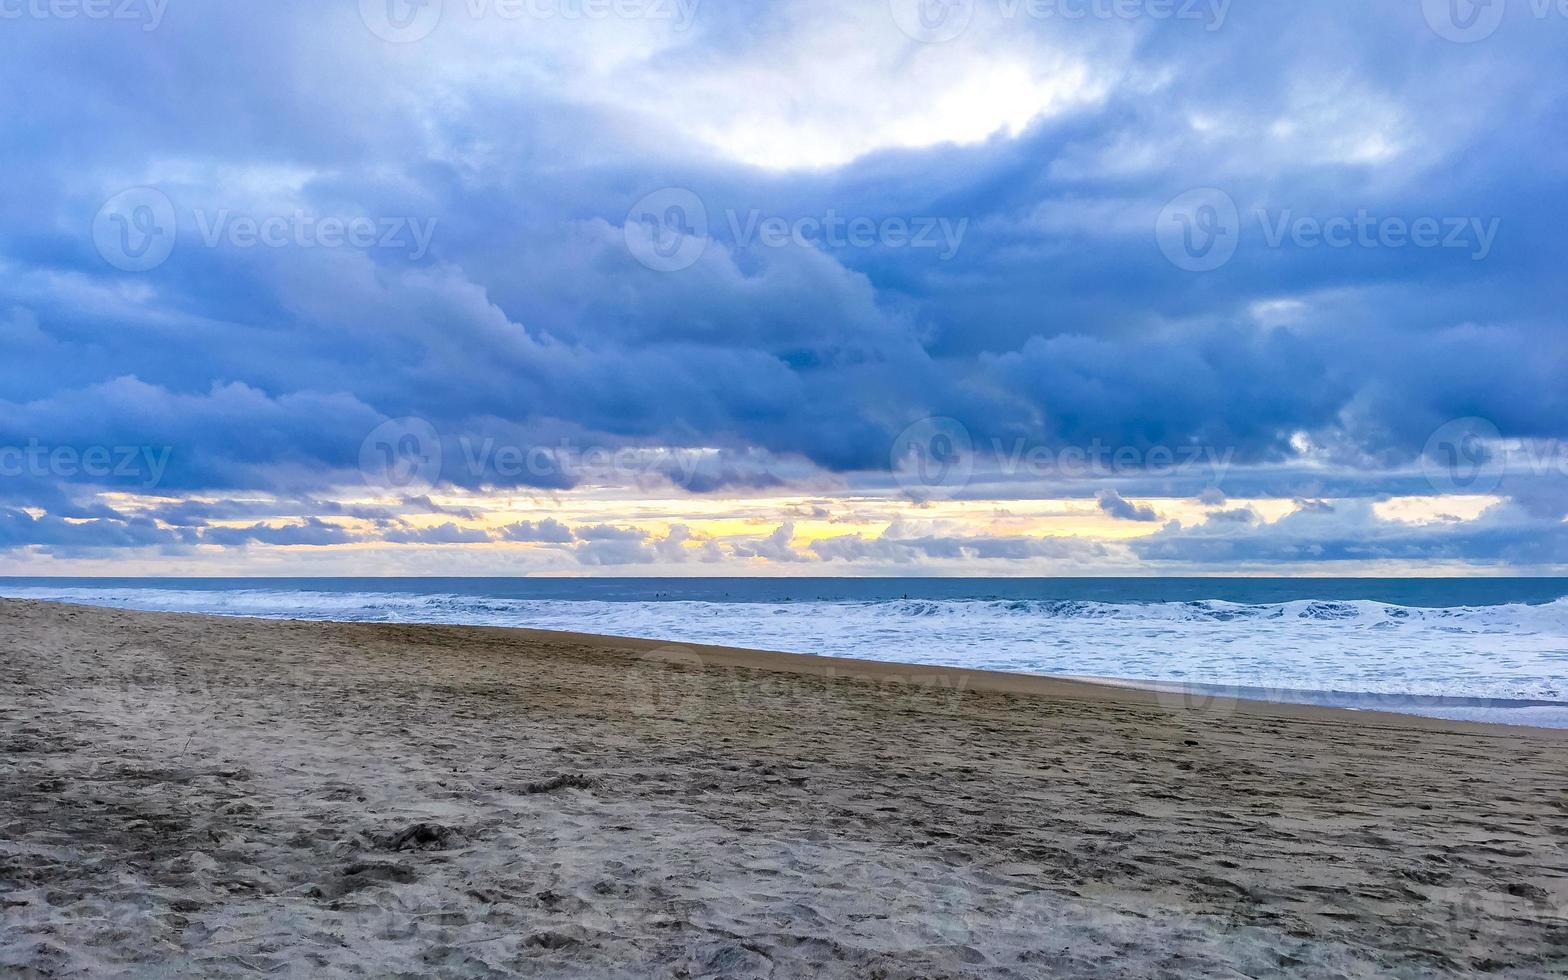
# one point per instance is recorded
(183, 795)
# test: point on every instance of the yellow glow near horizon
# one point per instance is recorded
(745, 518)
(722, 533)
(1434, 510)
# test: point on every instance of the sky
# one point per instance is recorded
(819, 287)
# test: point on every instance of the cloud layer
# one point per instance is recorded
(447, 222)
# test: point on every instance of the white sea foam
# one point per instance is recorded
(1513, 652)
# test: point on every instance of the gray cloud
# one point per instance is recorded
(1059, 322)
(1112, 503)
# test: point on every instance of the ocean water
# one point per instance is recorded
(1482, 649)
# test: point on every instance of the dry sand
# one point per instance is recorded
(183, 795)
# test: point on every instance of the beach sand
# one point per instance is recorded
(182, 795)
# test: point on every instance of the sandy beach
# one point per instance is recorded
(183, 795)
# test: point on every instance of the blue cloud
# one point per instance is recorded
(235, 369)
(1115, 505)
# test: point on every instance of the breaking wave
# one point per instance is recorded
(1511, 651)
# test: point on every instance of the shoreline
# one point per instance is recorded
(191, 795)
(1197, 697)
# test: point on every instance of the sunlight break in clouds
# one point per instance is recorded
(817, 85)
(839, 81)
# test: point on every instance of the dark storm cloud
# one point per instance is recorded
(1058, 320)
(1504, 535)
(18, 529)
(1113, 504)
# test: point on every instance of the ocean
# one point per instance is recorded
(1489, 649)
